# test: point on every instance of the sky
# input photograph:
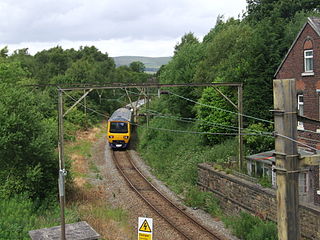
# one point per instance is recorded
(118, 27)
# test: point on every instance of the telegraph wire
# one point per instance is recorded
(195, 132)
(293, 140)
(209, 123)
(310, 131)
(221, 109)
(309, 139)
(101, 114)
(207, 133)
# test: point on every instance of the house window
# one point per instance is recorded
(308, 60)
(300, 110)
(303, 183)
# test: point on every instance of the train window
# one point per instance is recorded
(118, 127)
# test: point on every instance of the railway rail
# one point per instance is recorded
(185, 225)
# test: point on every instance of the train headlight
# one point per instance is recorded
(126, 137)
(111, 136)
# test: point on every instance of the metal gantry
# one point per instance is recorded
(89, 87)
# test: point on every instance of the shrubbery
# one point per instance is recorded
(248, 227)
(16, 217)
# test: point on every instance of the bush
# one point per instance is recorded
(260, 143)
(27, 145)
(203, 200)
(249, 227)
(16, 218)
(264, 231)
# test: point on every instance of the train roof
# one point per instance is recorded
(121, 114)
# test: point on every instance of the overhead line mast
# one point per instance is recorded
(88, 87)
(132, 85)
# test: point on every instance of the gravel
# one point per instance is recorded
(119, 194)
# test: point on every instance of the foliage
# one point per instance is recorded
(248, 227)
(265, 182)
(216, 114)
(183, 152)
(137, 66)
(181, 69)
(204, 200)
(18, 216)
(258, 10)
(259, 143)
(27, 153)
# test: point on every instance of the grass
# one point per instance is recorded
(183, 152)
(81, 147)
(87, 193)
(248, 227)
(18, 215)
(174, 158)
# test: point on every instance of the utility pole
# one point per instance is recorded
(285, 118)
(147, 105)
(62, 171)
(240, 126)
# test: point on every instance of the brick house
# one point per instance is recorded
(302, 62)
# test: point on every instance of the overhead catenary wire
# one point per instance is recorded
(310, 131)
(220, 109)
(207, 133)
(309, 139)
(92, 110)
(179, 131)
(195, 132)
(293, 140)
(209, 123)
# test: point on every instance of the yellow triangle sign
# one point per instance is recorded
(145, 227)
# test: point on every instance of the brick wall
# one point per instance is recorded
(293, 67)
(237, 194)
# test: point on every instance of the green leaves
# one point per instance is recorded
(16, 218)
(27, 148)
(215, 119)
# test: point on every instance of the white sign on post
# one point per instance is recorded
(145, 228)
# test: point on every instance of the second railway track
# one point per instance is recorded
(177, 218)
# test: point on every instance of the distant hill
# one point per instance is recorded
(152, 63)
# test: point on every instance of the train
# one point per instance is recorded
(119, 128)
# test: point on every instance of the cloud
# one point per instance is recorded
(55, 20)
(42, 22)
(114, 47)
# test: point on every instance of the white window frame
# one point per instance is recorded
(306, 58)
(300, 103)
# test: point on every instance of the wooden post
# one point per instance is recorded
(285, 118)
(62, 171)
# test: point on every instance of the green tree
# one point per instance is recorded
(181, 69)
(4, 52)
(137, 66)
(216, 114)
(258, 10)
(188, 38)
(50, 63)
(27, 144)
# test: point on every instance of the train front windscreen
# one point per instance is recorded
(118, 127)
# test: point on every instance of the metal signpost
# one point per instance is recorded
(145, 228)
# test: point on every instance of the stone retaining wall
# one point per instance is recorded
(237, 195)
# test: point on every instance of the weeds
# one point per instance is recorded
(174, 159)
(249, 227)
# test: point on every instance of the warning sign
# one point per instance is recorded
(145, 228)
(143, 236)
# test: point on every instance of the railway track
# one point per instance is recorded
(177, 218)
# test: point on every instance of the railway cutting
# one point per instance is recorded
(184, 224)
